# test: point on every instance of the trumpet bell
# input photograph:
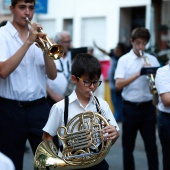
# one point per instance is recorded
(56, 51)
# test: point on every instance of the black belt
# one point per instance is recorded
(138, 104)
(23, 103)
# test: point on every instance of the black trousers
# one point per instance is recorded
(164, 135)
(139, 117)
(18, 124)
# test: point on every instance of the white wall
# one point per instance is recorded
(78, 9)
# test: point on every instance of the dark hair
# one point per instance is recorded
(14, 2)
(86, 64)
(122, 47)
(140, 32)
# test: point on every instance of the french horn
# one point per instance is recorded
(83, 143)
(55, 51)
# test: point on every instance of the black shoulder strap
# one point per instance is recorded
(98, 104)
(66, 110)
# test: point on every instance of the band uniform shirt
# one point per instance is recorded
(59, 84)
(162, 82)
(56, 116)
(28, 81)
(6, 163)
(128, 65)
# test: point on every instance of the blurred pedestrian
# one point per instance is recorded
(57, 88)
(116, 97)
(115, 93)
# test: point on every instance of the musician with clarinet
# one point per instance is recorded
(139, 112)
(23, 71)
(85, 74)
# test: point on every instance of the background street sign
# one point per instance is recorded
(41, 6)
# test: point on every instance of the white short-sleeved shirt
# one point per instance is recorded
(28, 81)
(6, 163)
(56, 117)
(59, 84)
(162, 82)
(128, 65)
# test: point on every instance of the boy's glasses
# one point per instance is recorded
(95, 83)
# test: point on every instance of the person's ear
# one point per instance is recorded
(73, 78)
(11, 8)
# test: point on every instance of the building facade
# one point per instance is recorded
(105, 22)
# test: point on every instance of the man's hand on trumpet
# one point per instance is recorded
(35, 34)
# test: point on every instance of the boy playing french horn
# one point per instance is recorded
(86, 72)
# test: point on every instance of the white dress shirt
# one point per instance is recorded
(59, 84)
(162, 82)
(56, 117)
(28, 81)
(6, 163)
(128, 65)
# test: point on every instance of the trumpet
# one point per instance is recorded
(55, 51)
(150, 77)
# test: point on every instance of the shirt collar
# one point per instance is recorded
(11, 29)
(134, 56)
(73, 98)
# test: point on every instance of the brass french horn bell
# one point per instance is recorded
(55, 51)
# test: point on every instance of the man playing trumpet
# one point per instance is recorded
(139, 113)
(23, 71)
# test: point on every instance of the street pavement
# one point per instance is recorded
(114, 157)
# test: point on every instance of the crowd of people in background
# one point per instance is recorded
(32, 86)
